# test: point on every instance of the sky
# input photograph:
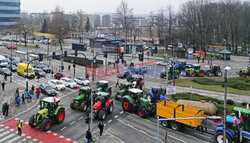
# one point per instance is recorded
(98, 6)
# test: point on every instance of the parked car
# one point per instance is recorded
(16, 60)
(5, 71)
(11, 47)
(3, 61)
(124, 74)
(82, 81)
(68, 82)
(59, 75)
(47, 90)
(163, 63)
(39, 72)
(12, 67)
(56, 84)
(45, 68)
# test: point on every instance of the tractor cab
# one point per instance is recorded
(124, 87)
(137, 81)
(197, 67)
(214, 70)
(50, 104)
(135, 93)
(245, 116)
(180, 65)
(103, 86)
(84, 92)
(156, 94)
(82, 101)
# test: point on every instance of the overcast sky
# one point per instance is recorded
(98, 6)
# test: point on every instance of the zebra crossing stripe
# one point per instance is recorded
(9, 136)
(14, 139)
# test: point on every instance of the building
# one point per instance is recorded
(106, 20)
(9, 13)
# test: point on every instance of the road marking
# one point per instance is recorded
(6, 127)
(116, 116)
(61, 137)
(109, 121)
(80, 118)
(67, 108)
(22, 134)
(14, 139)
(1, 130)
(9, 136)
(48, 131)
(23, 140)
(63, 128)
(34, 140)
(68, 139)
(72, 123)
(12, 130)
(1, 125)
(28, 137)
(121, 112)
(4, 133)
(55, 134)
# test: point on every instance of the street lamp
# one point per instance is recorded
(225, 103)
(25, 43)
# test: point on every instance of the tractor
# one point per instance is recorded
(102, 106)
(195, 70)
(214, 71)
(244, 72)
(137, 81)
(50, 113)
(156, 94)
(170, 73)
(180, 65)
(82, 101)
(134, 102)
(103, 86)
(124, 86)
(236, 131)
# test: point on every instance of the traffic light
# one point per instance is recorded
(65, 54)
(53, 55)
(141, 57)
(40, 57)
(76, 53)
(105, 55)
(74, 63)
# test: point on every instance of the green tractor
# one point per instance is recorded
(124, 86)
(50, 113)
(244, 72)
(134, 102)
(170, 73)
(195, 70)
(82, 101)
(103, 86)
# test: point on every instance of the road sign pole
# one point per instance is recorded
(157, 130)
(167, 70)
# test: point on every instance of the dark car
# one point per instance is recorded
(5, 71)
(124, 74)
(13, 68)
(45, 68)
(47, 90)
(39, 72)
(144, 69)
(59, 75)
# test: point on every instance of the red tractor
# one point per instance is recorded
(102, 106)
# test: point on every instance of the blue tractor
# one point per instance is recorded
(156, 94)
(180, 65)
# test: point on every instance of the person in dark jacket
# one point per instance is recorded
(3, 109)
(101, 126)
(88, 136)
(3, 85)
(6, 109)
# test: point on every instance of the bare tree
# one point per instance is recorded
(125, 15)
(150, 26)
(81, 18)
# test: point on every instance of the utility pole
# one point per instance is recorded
(225, 105)
(25, 44)
(167, 71)
(48, 52)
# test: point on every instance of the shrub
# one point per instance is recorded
(244, 103)
(230, 102)
(207, 81)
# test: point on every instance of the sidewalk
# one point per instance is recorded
(214, 94)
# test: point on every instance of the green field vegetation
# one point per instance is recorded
(236, 85)
(220, 103)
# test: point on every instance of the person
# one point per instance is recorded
(18, 100)
(87, 76)
(19, 127)
(101, 126)
(26, 95)
(38, 77)
(17, 91)
(114, 65)
(203, 60)
(198, 58)
(32, 89)
(23, 99)
(117, 83)
(3, 109)
(69, 67)
(52, 73)
(5, 77)
(88, 136)
(3, 85)
(37, 93)
(6, 109)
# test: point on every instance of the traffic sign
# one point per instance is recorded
(170, 90)
(97, 53)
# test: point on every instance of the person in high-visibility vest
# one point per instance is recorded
(19, 127)
(117, 83)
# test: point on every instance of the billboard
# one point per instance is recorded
(78, 46)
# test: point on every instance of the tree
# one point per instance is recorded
(87, 26)
(80, 20)
(45, 27)
(124, 14)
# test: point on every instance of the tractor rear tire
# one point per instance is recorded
(243, 75)
(116, 96)
(218, 73)
(165, 123)
(31, 121)
(110, 108)
(46, 124)
(126, 105)
(175, 126)
(84, 106)
(71, 105)
(60, 116)
(142, 112)
(102, 115)
(209, 73)
(219, 137)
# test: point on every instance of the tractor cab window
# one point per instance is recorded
(197, 67)
(85, 92)
(43, 105)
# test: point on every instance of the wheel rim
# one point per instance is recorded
(219, 73)
(220, 139)
(61, 116)
(48, 125)
(174, 126)
(192, 74)
(242, 75)
(125, 105)
(85, 107)
(140, 112)
(164, 123)
(201, 73)
(111, 108)
(149, 98)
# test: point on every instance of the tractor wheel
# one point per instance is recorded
(218, 73)
(102, 115)
(209, 73)
(116, 96)
(162, 75)
(84, 106)
(126, 105)
(243, 75)
(175, 126)
(60, 116)
(110, 108)
(177, 75)
(201, 73)
(192, 74)
(71, 105)
(165, 124)
(32, 121)
(219, 137)
(46, 124)
(153, 110)
(142, 112)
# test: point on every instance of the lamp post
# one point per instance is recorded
(25, 44)
(225, 103)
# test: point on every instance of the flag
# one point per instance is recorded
(240, 116)
(247, 107)
(235, 121)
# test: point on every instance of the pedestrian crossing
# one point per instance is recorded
(7, 136)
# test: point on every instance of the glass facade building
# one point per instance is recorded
(9, 13)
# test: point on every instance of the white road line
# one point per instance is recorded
(63, 128)
(116, 116)
(9, 136)
(2, 130)
(13, 140)
(68, 139)
(4, 133)
(121, 112)
(72, 123)
(109, 121)
(80, 118)
(23, 140)
(55, 134)
(67, 108)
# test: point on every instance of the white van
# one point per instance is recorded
(3, 61)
